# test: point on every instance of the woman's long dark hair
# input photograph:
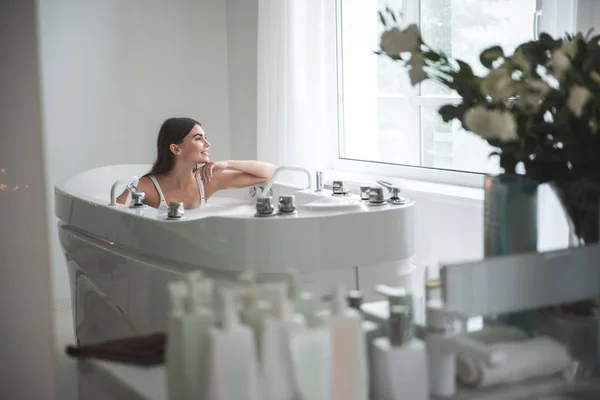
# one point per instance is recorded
(172, 131)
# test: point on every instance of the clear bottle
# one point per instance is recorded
(311, 359)
(276, 359)
(303, 303)
(254, 310)
(200, 319)
(399, 361)
(177, 383)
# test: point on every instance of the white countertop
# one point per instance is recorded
(124, 382)
(149, 383)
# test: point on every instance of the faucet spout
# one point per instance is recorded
(285, 168)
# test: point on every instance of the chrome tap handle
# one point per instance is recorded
(394, 190)
(389, 186)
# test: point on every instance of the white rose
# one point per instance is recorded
(532, 92)
(394, 41)
(520, 60)
(539, 86)
(559, 63)
(498, 84)
(413, 32)
(491, 124)
(578, 97)
(416, 63)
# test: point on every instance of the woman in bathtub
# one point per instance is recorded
(174, 177)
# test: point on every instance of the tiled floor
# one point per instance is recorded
(66, 371)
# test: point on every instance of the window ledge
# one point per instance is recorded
(354, 180)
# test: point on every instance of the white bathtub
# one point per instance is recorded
(119, 259)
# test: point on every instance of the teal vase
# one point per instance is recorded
(510, 226)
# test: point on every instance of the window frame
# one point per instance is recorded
(564, 12)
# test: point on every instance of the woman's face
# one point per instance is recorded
(194, 147)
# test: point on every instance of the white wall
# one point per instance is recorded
(113, 70)
(588, 16)
(242, 35)
(26, 343)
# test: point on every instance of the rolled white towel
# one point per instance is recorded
(467, 368)
(498, 334)
(524, 359)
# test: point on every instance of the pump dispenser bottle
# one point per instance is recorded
(399, 364)
(233, 362)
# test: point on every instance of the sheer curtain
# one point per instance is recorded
(297, 81)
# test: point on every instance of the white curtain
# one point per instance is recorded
(297, 80)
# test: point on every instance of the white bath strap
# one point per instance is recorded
(201, 186)
(163, 202)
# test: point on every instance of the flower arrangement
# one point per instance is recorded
(538, 107)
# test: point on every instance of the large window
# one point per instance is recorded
(383, 120)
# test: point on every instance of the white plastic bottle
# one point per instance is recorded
(177, 384)
(200, 320)
(233, 363)
(399, 362)
(350, 380)
(277, 367)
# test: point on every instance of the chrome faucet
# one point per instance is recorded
(394, 192)
(129, 183)
(137, 195)
(285, 168)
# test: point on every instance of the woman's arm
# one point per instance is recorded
(235, 174)
(258, 169)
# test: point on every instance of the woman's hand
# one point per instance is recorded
(211, 169)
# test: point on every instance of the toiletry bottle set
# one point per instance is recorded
(256, 349)
(264, 350)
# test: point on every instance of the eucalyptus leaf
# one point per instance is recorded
(382, 19)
